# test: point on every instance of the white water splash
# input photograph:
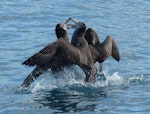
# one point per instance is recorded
(71, 79)
(67, 78)
(110, 80)
(115, 80)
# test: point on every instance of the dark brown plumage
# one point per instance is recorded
(79, 55)
(91, 36)
(101, 52)
(42, 61)
(79, 52)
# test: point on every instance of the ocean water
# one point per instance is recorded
(26, 26)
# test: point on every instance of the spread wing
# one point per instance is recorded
(109, 48)
(42, 57)
(60, 48)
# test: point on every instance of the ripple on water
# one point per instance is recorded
(28, 25)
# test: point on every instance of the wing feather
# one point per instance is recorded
(43, 56)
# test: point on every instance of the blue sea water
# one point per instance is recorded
(26, 26)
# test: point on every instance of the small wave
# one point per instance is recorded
(144, 78)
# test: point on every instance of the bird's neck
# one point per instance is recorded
(78, 39)
(64, 36)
